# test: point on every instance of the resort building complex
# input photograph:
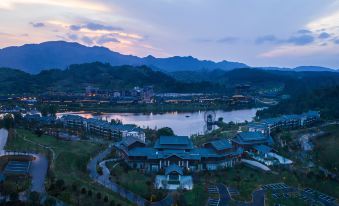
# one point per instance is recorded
(267, 126)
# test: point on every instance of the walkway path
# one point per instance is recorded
(39, 165)
(43, 146)
(106, 182)
(3, 138)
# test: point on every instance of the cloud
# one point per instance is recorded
(301, 40)
(73, 37)
(304, 31)
(75, 27)
(324, 35)
(37, 24)
(106, 39)
(87, 40)
(230, 39)
(95, 27)
(336, 41)
(267, 39)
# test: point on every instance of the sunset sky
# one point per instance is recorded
(256, 32)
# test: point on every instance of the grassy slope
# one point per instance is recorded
(131, 180)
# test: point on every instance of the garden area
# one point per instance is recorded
(68, 179)
(135, 181)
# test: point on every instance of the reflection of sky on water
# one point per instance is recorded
(181, 123)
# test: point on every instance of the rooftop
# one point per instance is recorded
(173, 142)
(262, 148)
(251, 136)
(248, 138)
(221, 144)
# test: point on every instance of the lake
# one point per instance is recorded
(186, 123)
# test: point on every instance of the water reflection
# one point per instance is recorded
(187, 123)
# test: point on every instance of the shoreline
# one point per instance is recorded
(153, 109)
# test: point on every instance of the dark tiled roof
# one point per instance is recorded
(221, 144)
(262, 148)
(176, 140)
(251, 136)
(173, 142)
(248, 138)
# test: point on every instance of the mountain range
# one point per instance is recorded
(76, 77)
(33, 58)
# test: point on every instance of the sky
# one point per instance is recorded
(284, 33)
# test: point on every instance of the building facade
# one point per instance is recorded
(178, 151)
(103, 128)
(268, 126)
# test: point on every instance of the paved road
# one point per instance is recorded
(106, 182)
(39, 165)
(38, 172)
(3, 139)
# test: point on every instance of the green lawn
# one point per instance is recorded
(70, 164)
(132, 180)
(326, 149)
(196, 197)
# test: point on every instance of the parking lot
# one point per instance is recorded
(213, 196)
(275, 186)
(233, 191)
(310, 196)
(323, 198)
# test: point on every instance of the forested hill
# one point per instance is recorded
(326, 100)
(76, 77)
(105, 76)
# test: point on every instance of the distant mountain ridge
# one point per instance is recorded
(33, 58)
(78, 76)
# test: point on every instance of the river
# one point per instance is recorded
(187, 123)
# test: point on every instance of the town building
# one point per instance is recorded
(178, 150)
(246, 140)
(268, 126)
(103, 128)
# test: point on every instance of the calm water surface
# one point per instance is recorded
(182, 123)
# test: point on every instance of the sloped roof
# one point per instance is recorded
(174, 168)
(262, 148)
(176, 140)
(248, 138)
(173, 142)
(251, 136)
(221, 144)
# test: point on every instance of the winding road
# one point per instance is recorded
(106, 182)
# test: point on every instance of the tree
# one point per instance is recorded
(98, 195)
(165, 131)
(39, 132)
(48, 110)
(34, 197)
(83, 190)
(74, 187)
(8, 121)
(112, 203)
(50, 202)
(60, 183)
(14, 196)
